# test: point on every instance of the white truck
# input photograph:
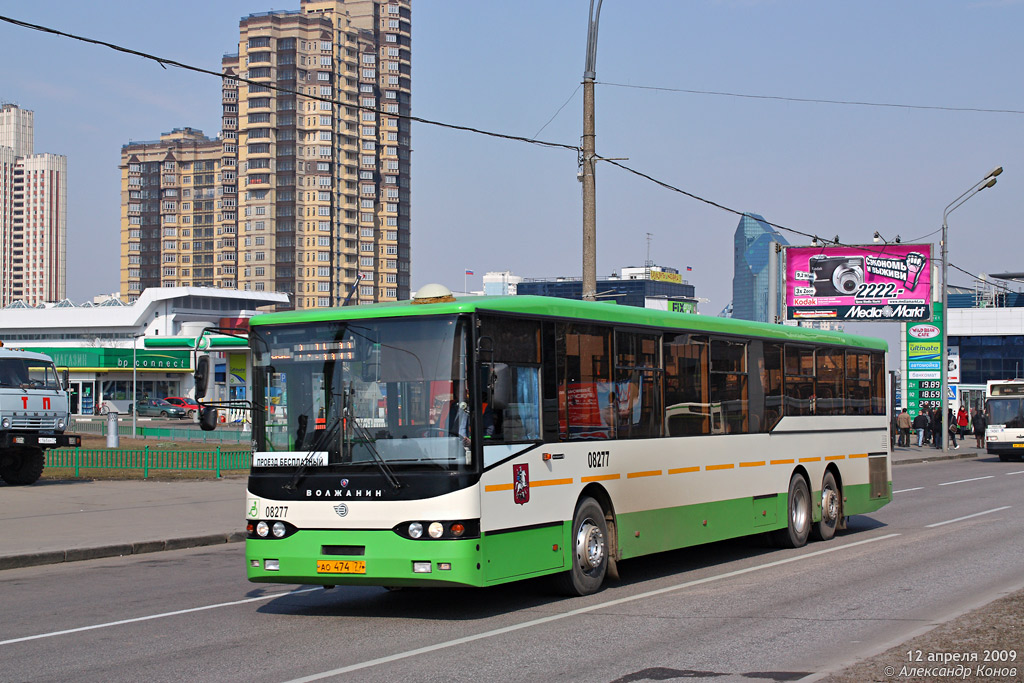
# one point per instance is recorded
(33, 414)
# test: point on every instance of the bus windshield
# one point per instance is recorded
(1008, 412)
(354, 394)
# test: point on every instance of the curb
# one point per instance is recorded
(117, 550)
(936, 458)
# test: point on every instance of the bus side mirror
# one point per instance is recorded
(65, 376)
(201, 375)
(207, 419)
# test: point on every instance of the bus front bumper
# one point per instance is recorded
(363, 558)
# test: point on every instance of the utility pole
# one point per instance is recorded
(587, 161)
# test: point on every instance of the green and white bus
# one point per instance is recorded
(483, 440)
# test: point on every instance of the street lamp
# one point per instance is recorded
(135, 389)
(988, 181)
(878, 238)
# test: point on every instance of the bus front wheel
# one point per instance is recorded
(589, 560)
(831, 509)
(798, 519)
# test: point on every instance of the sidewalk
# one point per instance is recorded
(66, 520)
(912, 454)
(55, 521)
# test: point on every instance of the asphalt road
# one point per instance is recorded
(735, 611)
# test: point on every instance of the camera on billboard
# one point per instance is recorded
(836, 275)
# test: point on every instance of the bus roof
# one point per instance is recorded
(570, 308)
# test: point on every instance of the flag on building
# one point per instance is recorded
(689, 267)
(469, 272)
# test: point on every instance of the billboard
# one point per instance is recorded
(861, 283)
(922, 365)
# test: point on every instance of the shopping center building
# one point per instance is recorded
(110, 347)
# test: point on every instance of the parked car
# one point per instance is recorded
(189, 405)
(161, 408)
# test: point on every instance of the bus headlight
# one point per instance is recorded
(60, 424)
(436, 529)
(5, 423)
(458, 529)
(279, 529)
(415, 530)
(262, 529)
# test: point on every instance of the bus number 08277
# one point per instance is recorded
(597, 459)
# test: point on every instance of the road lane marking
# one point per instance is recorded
(156, 616)
(916, 488)
(1020, 472)
(576, 612)
(976, 514)
(964, 481)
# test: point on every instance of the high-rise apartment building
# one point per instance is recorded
(307, 189)
(316, 119)
(178, 218)
(33, 214)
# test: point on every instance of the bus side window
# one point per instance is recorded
(728, 382)
(513, 399)
(799, 380)
(771, 381)
(878, 383)
(638, 377)
(584, 381)
(858, 383)
(687, 404)
(829, 382)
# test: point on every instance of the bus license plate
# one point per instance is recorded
(341, 566)
(1018, 445)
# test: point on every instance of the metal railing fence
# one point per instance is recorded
(147, 460)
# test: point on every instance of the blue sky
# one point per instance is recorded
(487, 204)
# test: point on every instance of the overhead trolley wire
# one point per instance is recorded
(164, 62)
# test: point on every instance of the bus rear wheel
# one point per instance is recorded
(831, 510)
(798, 519)
(22, 466)
(589, 560)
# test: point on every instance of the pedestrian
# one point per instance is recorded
(979, 423)
(962, 421)
(928, 426)
(953, 429)
(937, 428)
(904, 423)
(920, 424)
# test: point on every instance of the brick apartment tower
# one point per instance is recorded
(178, 217)
(33, 214)
(323, 170)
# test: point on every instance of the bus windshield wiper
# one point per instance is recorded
(382, 464)
(318, 445)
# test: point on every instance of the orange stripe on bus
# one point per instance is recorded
(684, 470)
(498, 487)
(551, 482)
(810, 459)
(859, 455)
(649, 473)
(600, 477)
(719, 467)
(834, 457)
(758, 463)
(787, 461)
